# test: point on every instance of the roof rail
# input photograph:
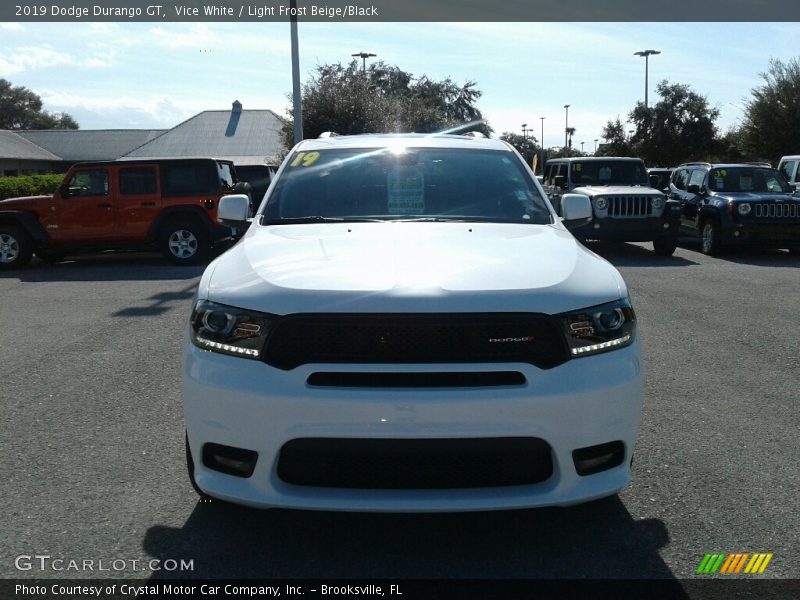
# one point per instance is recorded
(758, 163)
(327, 134)
(475, 134)
(699, 163)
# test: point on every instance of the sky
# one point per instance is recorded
(147, 75)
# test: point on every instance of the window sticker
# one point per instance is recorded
(719, 183)
(604, 174)
(406, 189)
(304, 159)
(577, 167)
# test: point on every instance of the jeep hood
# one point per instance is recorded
(756, 197)
(23, 203)
(611, 190)
(410, 267)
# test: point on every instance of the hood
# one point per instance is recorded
(410, 267)
(611, 190)
(756, 197)
(24, 202)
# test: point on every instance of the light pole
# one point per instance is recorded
(363, 56)
(297, 103)
(525, 138)
(582, 143)
(542, 143)
(595, 145)
(566, 128)
(646, 54)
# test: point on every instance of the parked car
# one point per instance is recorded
(737, 204)
(408, 326)
(259, 177)
(790, 167)
(170, 204)
(625, 207)
(659, 178)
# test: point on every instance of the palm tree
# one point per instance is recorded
(570, 133)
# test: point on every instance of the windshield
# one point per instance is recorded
(410, 184)
(609, 172)
(747, 179)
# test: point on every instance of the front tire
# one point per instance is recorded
(184, 242)
(665, 246)
(16, 247)
(709, 238)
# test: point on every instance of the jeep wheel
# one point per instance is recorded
(16, 247)
(709, 238)
(665, 246)
(184, 242)
(49, 256)
(190, 467)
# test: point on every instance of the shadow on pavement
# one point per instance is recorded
(595, 540)
(759, 257)
(108, 266)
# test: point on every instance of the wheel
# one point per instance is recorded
(49, 256)
(184, 242)
(16, 247)
(190, 468)
(709, 238)
(665, 246)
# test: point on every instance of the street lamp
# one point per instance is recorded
(595, 145)
(297, 102)
(542, 143)
(363, 56)
(646, 54)
(566, 128)
(525, 142)
(582, 143)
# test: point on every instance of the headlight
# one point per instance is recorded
(599, 328)
(229, 330)
(658, 203)
(744, 209)
(601, 203)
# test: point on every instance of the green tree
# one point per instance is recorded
(678, 128)
(20, 108)
(525, 145)
(346, 100)
(772, 116)
(617, 142)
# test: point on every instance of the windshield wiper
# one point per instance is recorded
(320, 219)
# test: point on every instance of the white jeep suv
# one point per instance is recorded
(408, 326)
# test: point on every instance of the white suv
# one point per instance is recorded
(408, 326)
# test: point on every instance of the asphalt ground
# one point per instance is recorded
(93, 460)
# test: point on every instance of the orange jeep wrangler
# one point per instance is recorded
(167, 203)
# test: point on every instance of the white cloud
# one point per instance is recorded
(11, 27)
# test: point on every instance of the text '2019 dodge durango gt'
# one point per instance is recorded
(407, 325)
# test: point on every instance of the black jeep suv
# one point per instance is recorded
(742, 204)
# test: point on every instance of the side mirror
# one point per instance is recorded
(576, 210)
(693, 188)
(63, 189)
(234, 210)
(560, 182)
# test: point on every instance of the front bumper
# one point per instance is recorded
(769, 235)
(628, 230)
(247, 404)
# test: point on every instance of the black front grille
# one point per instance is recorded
(416, 338)
(777, 210)
(630, 206)
(383, 464)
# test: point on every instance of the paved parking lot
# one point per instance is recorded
(92, 439)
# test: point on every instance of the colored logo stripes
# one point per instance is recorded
(735, 563)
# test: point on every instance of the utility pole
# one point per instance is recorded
(297, 102)
(542, 143)
(566, 129)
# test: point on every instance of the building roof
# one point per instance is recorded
(90, 144)
(247, 137)
(14, 146)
